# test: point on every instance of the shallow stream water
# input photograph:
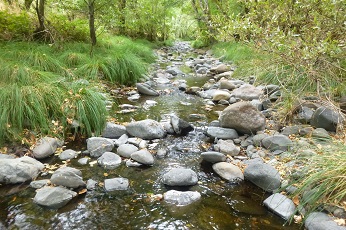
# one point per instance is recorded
(223, 205)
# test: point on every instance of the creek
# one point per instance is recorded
(223, 205)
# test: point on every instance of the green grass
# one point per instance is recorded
(46, 87)
(324, 178)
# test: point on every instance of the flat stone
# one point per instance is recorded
(180, 177)
(181, 198)
(263, 175)
(213, 157)
(19, 170)
(116, 184)
(67, 154)
(228, 171)
(277, 142)
(126, 150)
(146, 89)
(39, 183)
(45, 147)
(143, 156)
(68, 177)
(146, 129)
(109, 160)
(113, 131)
(227, 147)
(280, 205)
(222, 133)
(321, 221)
(53, 197)
(99, 145)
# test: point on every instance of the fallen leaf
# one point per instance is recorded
(105, 174)
(82, 191)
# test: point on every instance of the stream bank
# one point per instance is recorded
(185, 86)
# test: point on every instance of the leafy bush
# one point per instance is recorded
(15, 26)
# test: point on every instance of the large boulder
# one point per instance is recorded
(277, 142)
(68, 177)
(180, 177)
(243, 117)
(181, 198)
(19, 170)
(180, 126)
(247, 92)
(113, 130)
(326, 118)
(109, 160)
(228, 171)
(146, 129)
(146, 89)
(99, 145)
(222, 133)
(263, 175)
(53, 197)
(45, 147)
(280, 205)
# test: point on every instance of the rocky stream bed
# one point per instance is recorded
(192, 148)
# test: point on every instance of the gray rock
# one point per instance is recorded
(222, 133)
(227, 74)
(116, 184)
(180, 177)
(146, 90)
(263, 175)
(213, 157)
(320, 133)
(221, 95)
(277, 142)
(113, 130)
(247, 92)
(181, 198)
(228, 171)
(45, 147)
(130, 163)
(208, 94)
(53, 197)
(291, 130)
(67, 154)
(109, 160)
(135, 141)
(226, 84)
(91, 184)
(19, 170)
(126, 150)
(99, 145)
(257, 139)
(227, 147)
(243, 117)
(174, 71)
(321, 221)
(326, 118)
(5, 156)
(68, 177)
(39, 183)
(180, 126)
(146, 129)
(121, 140)
(83, 161)
(143, 156)
(280, 205)
(257, 104)
(305, 114)
(220, 68)
(193, 90)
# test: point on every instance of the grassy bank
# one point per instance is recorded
(44, 88)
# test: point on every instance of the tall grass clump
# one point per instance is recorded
(324, 179)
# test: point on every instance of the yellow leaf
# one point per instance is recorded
(82, 191)
(105, 174)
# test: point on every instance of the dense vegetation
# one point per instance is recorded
(56, 57)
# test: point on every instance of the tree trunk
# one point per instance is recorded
(41, 32)
(122, 18)
(92, 30)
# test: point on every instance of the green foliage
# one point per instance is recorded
(234, 51)
(43, 88)
(324, 180)
(15, 26)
